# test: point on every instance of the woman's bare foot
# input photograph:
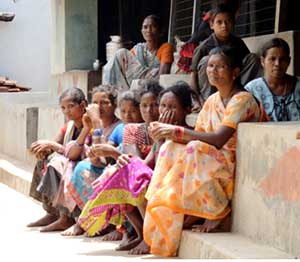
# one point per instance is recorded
(207, 226)
(141, 249)
(74, 230)
(60, 224)
(113, 236)
(189, 221)
(44, 221)
(128, 242)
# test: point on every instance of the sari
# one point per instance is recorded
(40, 170)
(79, 186)
(196, 178)
(138, 63)
(58, 173)
(118, 186)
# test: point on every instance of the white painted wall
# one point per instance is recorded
(25, 43)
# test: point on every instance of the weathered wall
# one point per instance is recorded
(23, 124)
(25, 43)
(267, 195)
(13, 132)
(75, 78)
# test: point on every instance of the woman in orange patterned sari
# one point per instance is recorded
(194, 173)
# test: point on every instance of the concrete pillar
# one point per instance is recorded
(32, 116)
(280, 16)
(74, 35)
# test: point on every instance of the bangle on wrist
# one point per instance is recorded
(179, 132)
(97, 132)
(77, 144)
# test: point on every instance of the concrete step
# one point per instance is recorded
(225, 246)
(171, 79)
(15, 174)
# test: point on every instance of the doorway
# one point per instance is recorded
(119, 17)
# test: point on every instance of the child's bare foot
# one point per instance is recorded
(207, 226)
(74, 230)
(44, 221)
(141, 249)
(59, 225)
(128, 242)
(113, 236)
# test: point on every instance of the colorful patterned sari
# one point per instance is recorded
(118, 186)
(79, 186)
(195, 179)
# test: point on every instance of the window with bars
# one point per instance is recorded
(182, 19)
(255, 17)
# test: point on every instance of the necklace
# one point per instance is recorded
(225, 100)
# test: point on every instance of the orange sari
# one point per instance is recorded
(195, 179)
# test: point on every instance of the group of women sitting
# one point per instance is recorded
(146, 175)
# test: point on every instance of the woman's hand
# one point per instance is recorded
(86, 121)
(123, 160)
(42, 155)
(41, 146)
(93, 112)
(104, 150)
(96, 161)
(159, 131)
(167, 117)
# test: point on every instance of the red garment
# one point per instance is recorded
(202, 32)
(63, 130)
(186, 54)
(207, 16)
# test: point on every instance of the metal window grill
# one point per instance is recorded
(255, 17)
(182, 18)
